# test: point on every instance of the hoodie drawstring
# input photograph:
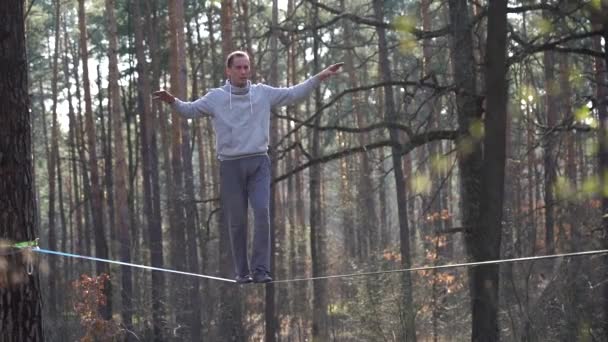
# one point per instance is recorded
(249, 90)
(250, 101)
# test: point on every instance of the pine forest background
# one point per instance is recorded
(458, 131)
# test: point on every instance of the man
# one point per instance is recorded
(240, 112)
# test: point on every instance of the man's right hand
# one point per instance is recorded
(164, 96)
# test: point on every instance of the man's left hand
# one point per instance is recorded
(330, 71)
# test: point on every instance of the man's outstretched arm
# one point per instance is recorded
(194, 109)
(298, 92)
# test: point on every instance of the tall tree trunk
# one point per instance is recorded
(482, 178)
(62, 331)
(96, 196)
(226, 24)
(601, 68)
(488, 237)
(603, 168)
(367, 218)
(215, 74)
(53, 157)
(270, 315)
(248, 41)
(550, 155)
(404, 234)
(298, 250)
(318, 239)
(573, 316)
(194, 304)
(108, 167)
(21, 318)
(531, 180)
(204, 153)
(177, 254)
(120, 174)
(469, 161)
(149, 152)
(73, 138)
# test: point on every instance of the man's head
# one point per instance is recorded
(238, 69)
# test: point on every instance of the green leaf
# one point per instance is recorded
(564, 189)
(582, 114)
(544, 26)
(421, 184)
(477, 129)
(591, 185)
(404, 24)
(440, 164)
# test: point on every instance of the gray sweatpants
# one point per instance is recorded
(242, 180)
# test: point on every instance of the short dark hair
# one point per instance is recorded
(233, 54)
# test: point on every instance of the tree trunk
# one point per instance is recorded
(205, 153)
(21, 313)
(318, 243)
(404, 234)
(120, 169)
(248, 41)
(226, 24)
(550, 155)
(367, 219)
(52, 159)
(96, 196)
(298, 249)
(194, 304)
(604, 167)
(215, 74)
(270, 315)
(177, 253)
(73, 138)
(488, 237)
(73, 207)
(149, 152)
(482, 179)
(602, 92)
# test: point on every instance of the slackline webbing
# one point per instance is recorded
(348, 275)
(465, 264)
(46, 251)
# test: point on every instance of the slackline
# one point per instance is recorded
(348, 275)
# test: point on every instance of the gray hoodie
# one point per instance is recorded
(241, 116)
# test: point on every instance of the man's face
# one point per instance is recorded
(239, 72)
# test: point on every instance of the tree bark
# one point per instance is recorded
(404, 234)
(550, 155)
(177, 253)
(602, 92)
(73, 139)
(20, 301)
(482, 178)
(149, 152)
(120, 168)
(194, 304)
(367, 218)
(270, 314)
(96, 196)
(52, 159)
(318, 238)
(486, 241)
